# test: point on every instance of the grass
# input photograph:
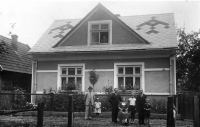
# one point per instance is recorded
(29, 121)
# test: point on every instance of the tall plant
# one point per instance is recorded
(94, 77)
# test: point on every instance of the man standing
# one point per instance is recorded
(89, 102)
(140, 102)
(115, 98)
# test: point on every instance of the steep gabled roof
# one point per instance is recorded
(157, 29)
(15, 61)
(90, 14)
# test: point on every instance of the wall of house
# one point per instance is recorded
(46, 81)
(105, 64)
(120, 35)
(155, 80)
(106, 78)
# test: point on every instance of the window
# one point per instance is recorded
(99, 32)
(129, 77)
(71, 74)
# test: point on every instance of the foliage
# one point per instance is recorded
(94, 77)
(3, 47)
(158, 106)
(105, 105)
(61, 102)
(188, 69)
(71, 86)
(45, 99)
(19, 100)
(30, 106)
(108, 89)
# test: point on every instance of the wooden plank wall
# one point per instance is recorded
(6, 100)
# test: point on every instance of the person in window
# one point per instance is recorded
(123, 111)
(89, 102)
(140, 101)
(104, 40)
(114, 100)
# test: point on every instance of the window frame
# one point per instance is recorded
(76, 66)
(90, 31)
(129, 64)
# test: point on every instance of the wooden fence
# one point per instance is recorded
(186, 104)
(183, 100)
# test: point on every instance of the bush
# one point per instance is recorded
(158, 106)
(19, 100)
(105, 105)
(45, 99)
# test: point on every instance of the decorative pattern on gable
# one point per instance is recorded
(152, 23)
(61, 31)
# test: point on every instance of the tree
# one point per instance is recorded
(3, 47)
(94, 77)
(188, 61)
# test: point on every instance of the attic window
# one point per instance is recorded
(99, 32)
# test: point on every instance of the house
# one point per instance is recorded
(126, 51)
(15, 65)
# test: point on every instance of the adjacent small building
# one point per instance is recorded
(131, 52)
(15, 65)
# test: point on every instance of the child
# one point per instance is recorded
(131, 108)
(174, 113)
(97, 109)
(147, 108)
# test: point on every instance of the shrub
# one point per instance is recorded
(158, 106)
(93, 78)
(105, 105)
(108, 89)
(19, 100)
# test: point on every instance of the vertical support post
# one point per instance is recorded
(196, 111)
(182, 106)
(70, 112)
(170, 119)
(40, 114)
(52, 101)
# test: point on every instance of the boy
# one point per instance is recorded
(147, 108)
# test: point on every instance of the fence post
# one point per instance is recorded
(196, 111)
(40, 114)
(52, 101)
(182, 106)
(70, 111)
(170, 119)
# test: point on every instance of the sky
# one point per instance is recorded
(29, 19)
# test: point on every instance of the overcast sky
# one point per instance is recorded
(33, 17)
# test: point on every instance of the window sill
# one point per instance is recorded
(100, 43)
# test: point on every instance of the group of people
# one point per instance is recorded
(89, 104)
(125, 110)
(122, 109)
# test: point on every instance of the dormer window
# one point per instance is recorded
(99, 32)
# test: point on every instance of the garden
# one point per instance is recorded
(20, 112)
